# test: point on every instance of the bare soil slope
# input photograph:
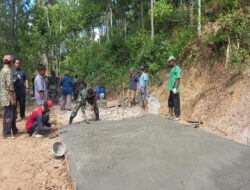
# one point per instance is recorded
(214, 95)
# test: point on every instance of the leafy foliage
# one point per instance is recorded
(101, 39)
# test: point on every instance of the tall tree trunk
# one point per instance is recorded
(142, 14)
(60, 52)
(134, 15)
(191, 13)
(13, 25)
(199, 17)
(45, 62)
(125, 26)
(51, 49)
(100, 34)
(152, 19)
(107, 25)
(111, 17)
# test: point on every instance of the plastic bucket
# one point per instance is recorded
(58, 149)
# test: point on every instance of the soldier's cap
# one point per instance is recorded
(171, 58)
(90, 91)
(49, 104)
(7, 59)
(53, 73)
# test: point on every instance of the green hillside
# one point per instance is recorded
(101, 39)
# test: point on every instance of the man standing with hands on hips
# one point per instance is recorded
(174, 88)
(7, 98)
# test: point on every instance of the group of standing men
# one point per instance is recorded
(13, 87)
(12, 90)
(173, 87)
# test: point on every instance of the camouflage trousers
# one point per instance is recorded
(82, 105)
(54, 96)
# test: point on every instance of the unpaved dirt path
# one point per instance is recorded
(26, 163)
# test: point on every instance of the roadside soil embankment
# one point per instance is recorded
(215, 96)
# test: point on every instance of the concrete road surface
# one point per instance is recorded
(152, 153)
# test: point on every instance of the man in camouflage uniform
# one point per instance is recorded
(86, 95)
(7, 98)
(53, 88)
(1, 109)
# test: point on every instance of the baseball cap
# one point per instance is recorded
(171, 58)
(49, 104)
(132, 69)
(141, 68)
(8, 59)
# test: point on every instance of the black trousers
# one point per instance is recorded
(174, 102)
(9, 121)
(21, 98)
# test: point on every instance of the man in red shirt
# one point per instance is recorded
(39, 119)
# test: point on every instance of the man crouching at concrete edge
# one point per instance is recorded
(85, 95)
(174, 88)
(38, 121)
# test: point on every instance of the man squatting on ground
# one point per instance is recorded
(174, 88)
(143, 89)
(7, 98)
(85, 95)
(39, 120)
(19, 78)
(131, 94)
(41, 92)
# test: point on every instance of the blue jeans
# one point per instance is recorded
(9, 121)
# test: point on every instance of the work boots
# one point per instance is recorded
(70, 120)
(170, 115)
(97, 117)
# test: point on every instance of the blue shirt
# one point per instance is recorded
(67, 85)
(133, 82)
(144, 78)
(40, 85)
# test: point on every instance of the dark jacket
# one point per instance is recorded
(67, 85)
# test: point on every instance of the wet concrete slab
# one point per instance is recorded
(152, 153)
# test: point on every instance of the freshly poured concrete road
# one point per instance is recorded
(152, 153)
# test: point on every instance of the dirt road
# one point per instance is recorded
(26, 163)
